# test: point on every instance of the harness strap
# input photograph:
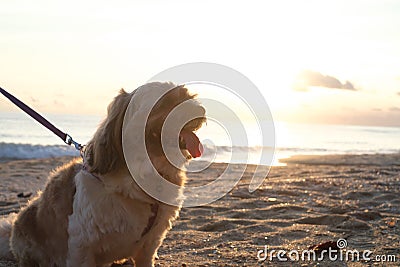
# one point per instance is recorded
(39, 118)
(152, 219)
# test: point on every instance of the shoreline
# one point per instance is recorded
(376, 159)
(314, 199)
(336, 158)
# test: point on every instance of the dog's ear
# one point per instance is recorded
(104, 152)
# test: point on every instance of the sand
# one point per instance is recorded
(312, 200)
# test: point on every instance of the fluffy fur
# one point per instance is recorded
(89, 220)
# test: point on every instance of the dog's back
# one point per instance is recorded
(41, 227)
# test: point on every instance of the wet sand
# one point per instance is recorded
(312, 200)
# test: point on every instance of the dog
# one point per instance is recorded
(91, 212)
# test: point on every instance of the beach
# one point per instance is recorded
(312, 200)
(310, 88)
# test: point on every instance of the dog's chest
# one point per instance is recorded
(107, 218)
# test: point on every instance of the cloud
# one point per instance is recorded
(398, 93)
(308, 78)
(394, 109)
(58, 103)
(34, 100)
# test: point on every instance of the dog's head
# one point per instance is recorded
(176, 116)
(154, 104)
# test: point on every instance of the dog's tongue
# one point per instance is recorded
(193, 144)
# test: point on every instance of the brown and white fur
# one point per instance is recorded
(96, 215)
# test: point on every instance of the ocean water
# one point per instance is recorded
(21, 138)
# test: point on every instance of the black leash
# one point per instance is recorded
(39, 118)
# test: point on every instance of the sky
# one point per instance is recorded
(324, 61)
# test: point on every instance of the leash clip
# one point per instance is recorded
(69, 141)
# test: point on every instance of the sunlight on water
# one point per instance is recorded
(18, 133)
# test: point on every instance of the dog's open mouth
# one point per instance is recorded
(189, 140)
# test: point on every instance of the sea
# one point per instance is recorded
(23, 138)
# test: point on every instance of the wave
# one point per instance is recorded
(219, 153)
(28, 151)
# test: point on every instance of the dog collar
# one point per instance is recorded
(85, 166)
(86, 169)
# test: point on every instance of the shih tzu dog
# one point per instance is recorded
(92, 212)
